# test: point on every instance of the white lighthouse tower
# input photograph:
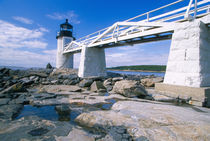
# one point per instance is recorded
(64, 37)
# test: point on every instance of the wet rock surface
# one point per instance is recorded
(55, 104)
(152, 121)
(9, 112)
(33, 128)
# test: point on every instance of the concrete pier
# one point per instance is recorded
(189, 57)
(188, 69)
(92, 62)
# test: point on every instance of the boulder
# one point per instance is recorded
(9, 83)
(56, 72)
(85, 83)
(74, 82)
(68, 76)
(18, 87)
(77, 135)
(26, 81)
(4, 101)
(6, 78)
(48, 66)
(42, 96)
(32, 77)
(9, 112)
(63, 112)
(74, 89)
(4, 71)
(54, 82)
(63, 108)
(115, 79)
(66, 82)
(129, 88)
(36, 79)
(97, 86)
(39, 74)
(150, 82)
(21, 99)
(108, 84)
(70, 82)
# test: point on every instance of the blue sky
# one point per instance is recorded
(28, 29)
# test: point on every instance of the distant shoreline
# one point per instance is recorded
(133, 70)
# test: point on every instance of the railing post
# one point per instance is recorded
(195, 12)
(187, 14)
(148, 16)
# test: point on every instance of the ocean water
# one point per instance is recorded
(162, 74)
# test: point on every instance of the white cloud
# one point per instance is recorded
(12, 36)
(34, 44)
(50, 52)
(73, 18)
(23, 20)
(143, 54)
(15, 57)
(16, 44)
(43, 29)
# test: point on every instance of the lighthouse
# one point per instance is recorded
(64, 37)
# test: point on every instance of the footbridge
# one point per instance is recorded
(133, 30)
(187, 26)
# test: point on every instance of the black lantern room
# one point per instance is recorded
(66, 29)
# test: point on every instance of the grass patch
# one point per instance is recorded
(140, 68)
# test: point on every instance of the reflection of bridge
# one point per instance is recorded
(189, 58)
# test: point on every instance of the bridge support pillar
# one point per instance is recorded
(63, 60)
(92, 62)
(189, 63)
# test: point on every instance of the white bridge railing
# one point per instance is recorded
(127, 29)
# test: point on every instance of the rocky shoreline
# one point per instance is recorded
(116, 107)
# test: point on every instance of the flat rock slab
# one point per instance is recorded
(76, 135)
(33, 128)
(52, 101)
(8, 112)
(77, 98)
(4, 101)
(152, 121)
(60, 88)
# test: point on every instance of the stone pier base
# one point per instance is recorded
(92, 62)
(189, 57)
(199, 96)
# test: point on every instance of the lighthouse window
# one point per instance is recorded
(66, 41)
(65, 27)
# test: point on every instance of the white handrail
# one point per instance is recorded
(111, 31)
(155, 10)
(137, 16)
